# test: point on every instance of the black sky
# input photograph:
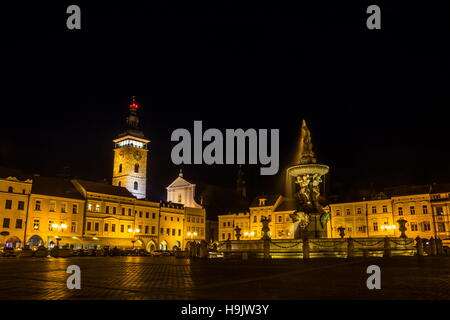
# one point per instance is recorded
(376, 101)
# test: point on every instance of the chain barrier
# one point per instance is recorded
(402, 244)
(369, 245)
(295, 244)
(323, 245)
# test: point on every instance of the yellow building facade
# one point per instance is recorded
(84, 214)
(15, 192)
(425, 208)
(48, 211)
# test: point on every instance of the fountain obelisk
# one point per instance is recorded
(311, 218)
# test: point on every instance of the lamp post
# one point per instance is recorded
(134, 231)
(192, 247)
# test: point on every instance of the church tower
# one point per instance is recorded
(130, 156)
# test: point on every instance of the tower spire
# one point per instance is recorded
(133, 119)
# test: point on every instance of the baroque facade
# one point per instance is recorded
(37, 210)
(305, 213)
(425, 208)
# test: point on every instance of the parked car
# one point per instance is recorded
(115, 252)
(8, 252)
(139, 252)
(157, 253)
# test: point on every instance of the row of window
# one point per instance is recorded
(414, 226)
(135, 185)
(20, 205)
(195, 229)
(52, 207)
(195, 219)
(136, 168)
(7, 221)
(36, 225)
(95, 226)
(412, 210)
(38, 206)
(11, 190)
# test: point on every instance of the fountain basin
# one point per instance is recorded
(302, 169)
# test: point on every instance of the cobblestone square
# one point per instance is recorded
(161, 278)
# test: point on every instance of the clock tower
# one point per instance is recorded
(130, 156)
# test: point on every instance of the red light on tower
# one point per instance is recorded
(133, 104)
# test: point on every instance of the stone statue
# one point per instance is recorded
(341, 230)
(238, 233)
(306, 153)
(304, 192)
(265, 229)
(402, 227)
(316, 181)
(302, 218)
(310, 217)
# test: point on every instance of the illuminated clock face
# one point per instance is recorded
(137, 155)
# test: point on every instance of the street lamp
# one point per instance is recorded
(249, 234)
(60, 227)
(192, 234)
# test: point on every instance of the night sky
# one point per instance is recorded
(376, 101)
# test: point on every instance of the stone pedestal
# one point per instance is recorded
(439, 247)
(433, 246)
(387, 248)
(350, 248)
(419, 246)
(305, 248)
(203, 249)
(308, 178)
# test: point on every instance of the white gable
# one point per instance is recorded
(180, 182)
(182, 191)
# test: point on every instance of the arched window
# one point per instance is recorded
(10, 189)
(120, 183)
(120, 167)
(135, 185)
(136, 167)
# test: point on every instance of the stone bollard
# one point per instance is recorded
(192, 249)
(266, 248)
(305, 248)
(365, 253)
(433, 246)
(228, 246)
(350, 248)
(419, 246)
(439, 247)
(204, 249)
(387, 248)
(227, 253)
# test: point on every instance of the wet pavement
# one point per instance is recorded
(159, 278)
